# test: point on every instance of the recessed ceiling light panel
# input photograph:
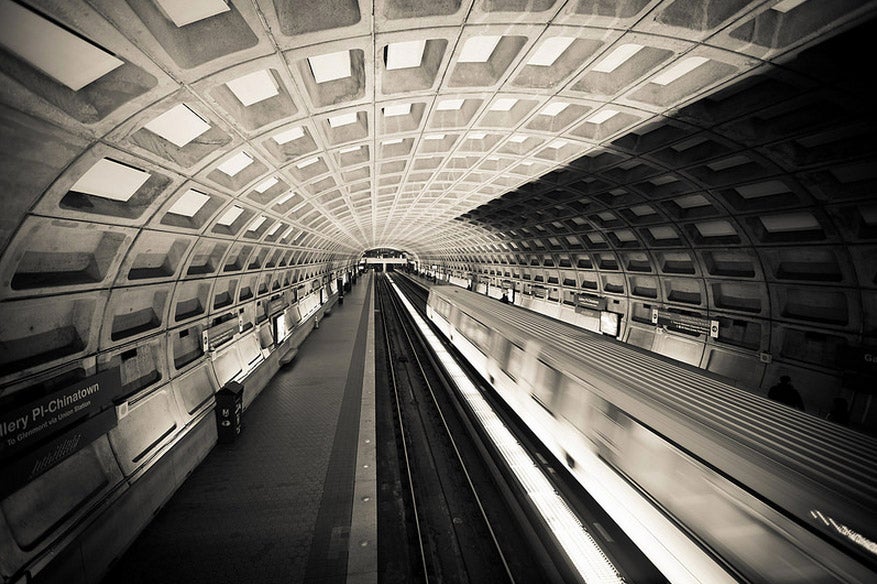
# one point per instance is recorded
(549, 51)
(111, 180)
(254, 87)
(183, 12)
(449, 105)
(289, 135)
(478, 49)
(257, 223)
(230, 216)
(787, 5)
(553, 109)
(503, 104)
(678, 70)
(342, 120)
(617, 58)
(266, 184)
(331, 66)
(405, 55)
(179, 125)
(189, 204)
(235, 164)
(602, 116)
(402, 109)
(60, 54)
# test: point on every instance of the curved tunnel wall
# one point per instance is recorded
(754, 206)
(160, 199)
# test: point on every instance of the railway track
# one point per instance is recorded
(631, 562)
(455, 524)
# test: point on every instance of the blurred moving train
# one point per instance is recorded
(713, 483)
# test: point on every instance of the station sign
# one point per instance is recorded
(591, 301)
(685, 323)
(40, 434)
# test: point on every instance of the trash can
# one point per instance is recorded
(229, 406)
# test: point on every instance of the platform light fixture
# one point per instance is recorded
(678, 70)
(65, 57)
(330, 66)
(254, 87)
(179, 125)
(476, 135)
(558, 144)
(518, 138)
(478, 49)
(235, 164)
(392, 141)
(289, 135)
(184, 12)
(401, 109)
(434, 137)
(617, 58)
(549, 51)
(111, 180)
(349, 149)
(189, 203)
(230, 216)
(405, 55)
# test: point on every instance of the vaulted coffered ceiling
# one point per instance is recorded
(164, 153)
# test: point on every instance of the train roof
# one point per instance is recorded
(829, 455)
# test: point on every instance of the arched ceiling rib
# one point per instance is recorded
(263, 139)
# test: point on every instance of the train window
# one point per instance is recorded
(476, 332)
(442, 306)
(545, 386)
(573, 403)
(513, 360)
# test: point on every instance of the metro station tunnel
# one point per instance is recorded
(429, 291)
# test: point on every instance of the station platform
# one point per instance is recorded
(293, 499)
